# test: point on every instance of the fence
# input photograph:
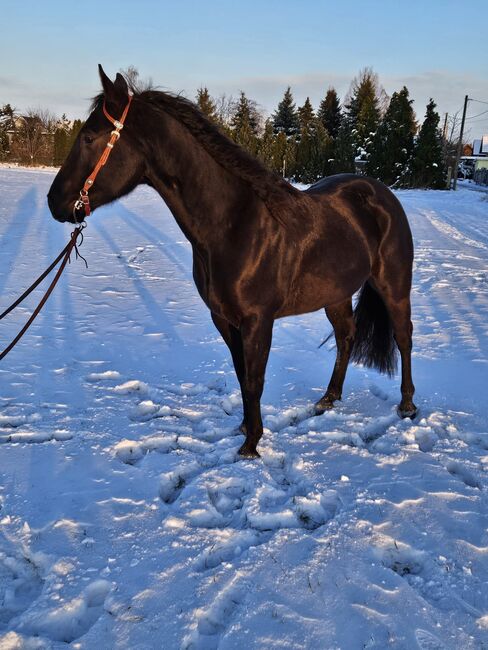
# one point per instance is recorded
(480, 176)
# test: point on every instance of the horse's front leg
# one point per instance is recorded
(232, 337)
(256, 333)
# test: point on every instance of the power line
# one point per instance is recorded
(477, 122)
(473, 116)
(477, 100)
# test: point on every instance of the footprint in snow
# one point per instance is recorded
(460, 471)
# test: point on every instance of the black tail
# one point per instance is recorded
(374, 345)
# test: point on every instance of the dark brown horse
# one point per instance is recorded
(261, 248)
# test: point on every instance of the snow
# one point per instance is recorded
(127, 519)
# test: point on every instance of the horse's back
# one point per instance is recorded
(366, 198)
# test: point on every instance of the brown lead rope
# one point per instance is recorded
(64, 255)
(28, 291)
(82, 203)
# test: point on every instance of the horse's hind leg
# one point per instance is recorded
(400, 313)
(402, 327)
(342, 321)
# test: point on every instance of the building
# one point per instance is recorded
(475, 165)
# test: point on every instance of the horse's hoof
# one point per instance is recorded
(323, 405)
(410, 412)
(248, 452)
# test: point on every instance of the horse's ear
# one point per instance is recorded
(115, 91)
(107, 84)
(120, 85)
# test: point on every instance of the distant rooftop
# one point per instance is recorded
(480, 147)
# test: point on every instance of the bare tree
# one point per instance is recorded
(33, 138)
(225, 109)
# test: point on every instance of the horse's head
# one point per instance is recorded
(124, 169)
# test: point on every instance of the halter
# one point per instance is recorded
(84, 200)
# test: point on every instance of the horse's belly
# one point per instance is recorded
(314, 291)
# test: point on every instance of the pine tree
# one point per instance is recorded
(330, 113)
(245, 124)
(312, 146)
(427, 163)
(206, 104)
(306, 115)
(61, 140)
(393, 144)
(343, 154)
(266, 145)
(6, 123)
(285, 119)
(363, 111)
(284, 155)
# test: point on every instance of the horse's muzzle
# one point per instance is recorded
(60, 212)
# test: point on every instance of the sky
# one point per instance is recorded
(49, 50)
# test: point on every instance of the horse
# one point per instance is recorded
(262, 249)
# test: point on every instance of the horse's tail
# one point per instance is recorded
(374, 344)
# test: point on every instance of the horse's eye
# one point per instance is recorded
(87, 139)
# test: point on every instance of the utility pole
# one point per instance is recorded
(444, 130)
(460, 144)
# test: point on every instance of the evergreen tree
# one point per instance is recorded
(312, 146)
(343, 153)
(61, 140)
(6, 124)
(206, 104)
(306, 115)
(245, 124)
(363, 111)
(393, 144)
(284, 155)
(427, 163)
(266, 146)
(285, 119)
(330, 113)
(312, 152)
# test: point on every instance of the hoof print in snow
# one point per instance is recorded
(20, 585)
(72, 619)
(427, 641)
(460, 471)
(403, 560)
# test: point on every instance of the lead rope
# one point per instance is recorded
(65, 255)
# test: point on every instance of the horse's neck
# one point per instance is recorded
(197, 190)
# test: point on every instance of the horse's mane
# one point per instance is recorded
(271, 188)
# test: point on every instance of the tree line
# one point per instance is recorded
(368, 133)
(35, 137)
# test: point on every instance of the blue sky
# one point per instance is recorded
(49, 50)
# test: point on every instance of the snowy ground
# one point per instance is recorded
(125, 520)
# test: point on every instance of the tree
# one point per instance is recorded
(266, 146)
(61, 140)
(329, 113)
(245, 124)
(427, 164)
(206, 104)
(285, 119)
(33, 139)
(306, 115)
(284, 155)
(343, 153)
(365, 98)
(312, 147)
(6, 124)
(392, 148)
